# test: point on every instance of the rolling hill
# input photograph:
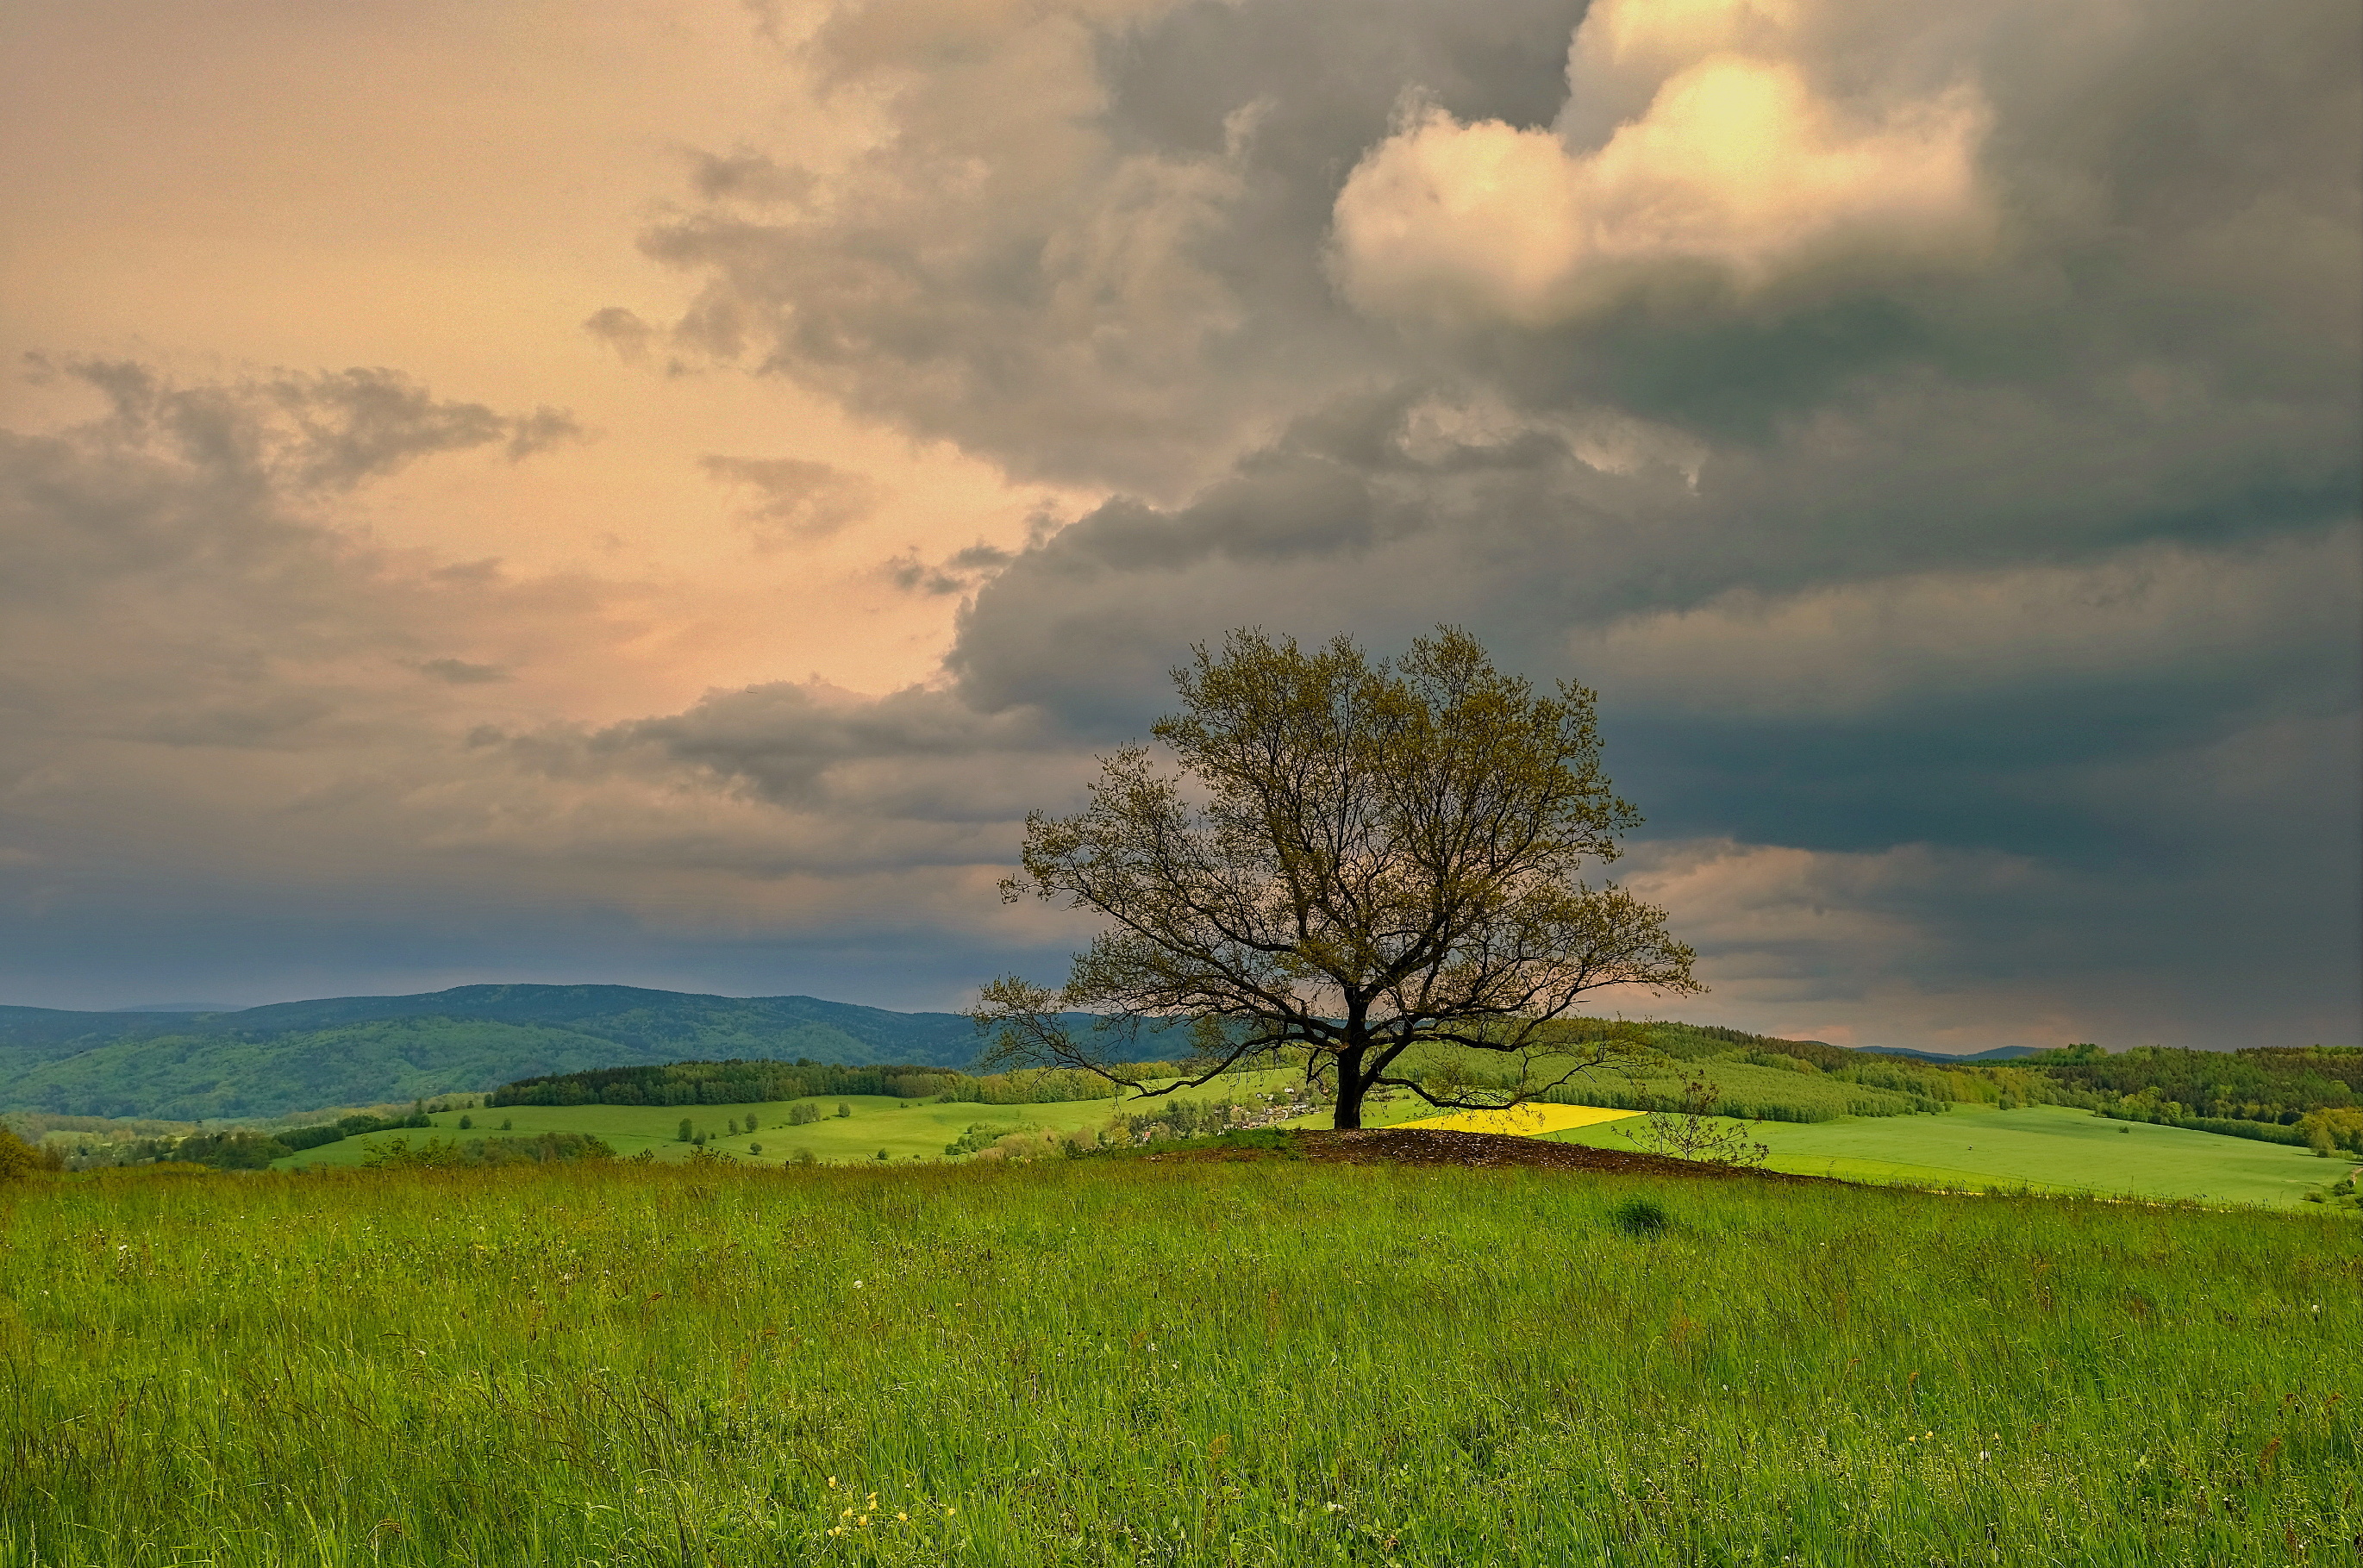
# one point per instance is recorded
(268, 1061)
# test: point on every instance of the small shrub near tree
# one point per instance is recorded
(843, 1108)
(1692, 1132)
(685, 1134)
(980, 1136)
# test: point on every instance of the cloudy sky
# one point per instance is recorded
(653, 490)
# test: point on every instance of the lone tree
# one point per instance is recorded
(1355, 859)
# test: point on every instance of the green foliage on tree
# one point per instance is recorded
(2329, 1132)
(1349, 858)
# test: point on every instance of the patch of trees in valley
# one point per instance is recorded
(759, 1082)
(245, 1149)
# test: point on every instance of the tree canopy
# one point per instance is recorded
(1346, 860)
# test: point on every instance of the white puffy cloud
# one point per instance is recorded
(1741, 166)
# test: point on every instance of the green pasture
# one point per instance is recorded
(2043, 1148)
(906, 1129)
(1186, 1365)
(2039, 1149)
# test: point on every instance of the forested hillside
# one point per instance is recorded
(268, 1061)
(2310, 1095)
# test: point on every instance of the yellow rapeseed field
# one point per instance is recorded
(1523, 1120)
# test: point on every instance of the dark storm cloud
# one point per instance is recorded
(917, 751)
(1093, 244)
(1982, 496)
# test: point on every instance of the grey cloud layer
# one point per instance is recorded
(2037, 540)
(1969, 570)
(167, 574)
(240, 739)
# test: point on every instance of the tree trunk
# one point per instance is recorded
(1351, 1084)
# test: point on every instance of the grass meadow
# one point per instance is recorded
(1176, 1362)
(905, 1130)
(2038, 1149)
(2045, 1148)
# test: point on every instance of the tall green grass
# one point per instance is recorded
(1134, 1361)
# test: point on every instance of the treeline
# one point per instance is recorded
(1749, 1097)
(440, 1154)
(1892, 1086)
(241, 1149)
(1750, 1078)
(758, 1082)
(1926, 1084)
(2272, 1085)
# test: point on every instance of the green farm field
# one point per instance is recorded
(905, 1129)
(2047, 1148)
(1133, 1363)
(2038, 1149)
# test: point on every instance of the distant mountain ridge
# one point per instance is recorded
(1999, 1053)
(348, 1051)
(287, 1056)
